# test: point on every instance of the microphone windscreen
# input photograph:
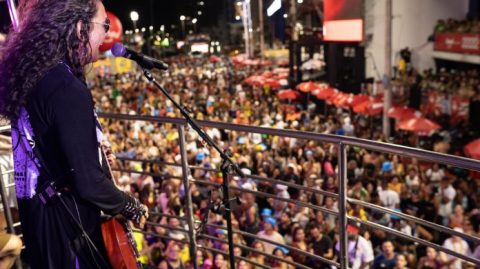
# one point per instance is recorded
(118, 50)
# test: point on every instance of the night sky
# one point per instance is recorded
(165, 12)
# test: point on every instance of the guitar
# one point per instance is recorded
(117, 236)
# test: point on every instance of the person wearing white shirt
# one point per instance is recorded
(269, 233)
(435, 175)
(458, 245)
(360, 252)
(446, 194)
(389, 198)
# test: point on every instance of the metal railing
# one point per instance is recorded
(343, 143)
(7, 211)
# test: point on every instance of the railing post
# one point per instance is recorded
(342, 204)
(188, 197)
(8, 213)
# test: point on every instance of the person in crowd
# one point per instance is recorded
(270, 234)
(458, 245)
(360, 251)
(321, 245)
(388, 258)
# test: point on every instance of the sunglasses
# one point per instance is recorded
(106, 24)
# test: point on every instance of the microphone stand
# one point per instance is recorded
(227, 167)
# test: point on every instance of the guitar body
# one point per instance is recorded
(120, 244)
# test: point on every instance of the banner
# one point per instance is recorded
(458, 42)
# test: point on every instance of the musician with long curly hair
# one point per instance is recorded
(56, 136)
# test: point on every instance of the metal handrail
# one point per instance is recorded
(415, 219)
(277, 244)
(268, 195)
(336, 139)
(237, 257)
(414, 239)
(343, 142)
(5, 128)
(296, 264)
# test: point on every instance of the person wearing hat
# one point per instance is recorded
(271, 234)
(360, 251)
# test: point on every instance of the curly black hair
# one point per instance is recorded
(46, 36)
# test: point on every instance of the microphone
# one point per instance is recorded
(119, 50)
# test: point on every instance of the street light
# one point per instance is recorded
(134, 17)
(182, 21)
(194, 22)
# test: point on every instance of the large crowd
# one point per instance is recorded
(215, 91)
(471, 26)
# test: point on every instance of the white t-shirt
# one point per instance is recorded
(446, 209)
(358, 252)
(460, 246)
(435, 176)
(389, 198)
(275, 237)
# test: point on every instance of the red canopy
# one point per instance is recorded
(288, 94)
(371, 107)
(307, 86)
(272, 83)
(420, 125)
(255, 80)
(472, 149)
(401, 112)
(342, 100)
(324, 93)
(357, 99)
(214, 59)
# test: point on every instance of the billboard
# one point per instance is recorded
(343, 20)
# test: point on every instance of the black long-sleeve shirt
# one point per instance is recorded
(61, 112)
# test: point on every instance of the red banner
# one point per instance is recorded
(458, 42)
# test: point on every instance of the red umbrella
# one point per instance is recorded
(401, 112)
(357, 99)
(214, 59)
(421, 126)
(307, 86)
(371, 107)
(324, 93)
(288, 95)
(272, 83)
(472, 149)
(342, 100)
(281, 76)
(254, 80)
(267, 74)
(337, 96)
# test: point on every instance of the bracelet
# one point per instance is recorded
(133, 210)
